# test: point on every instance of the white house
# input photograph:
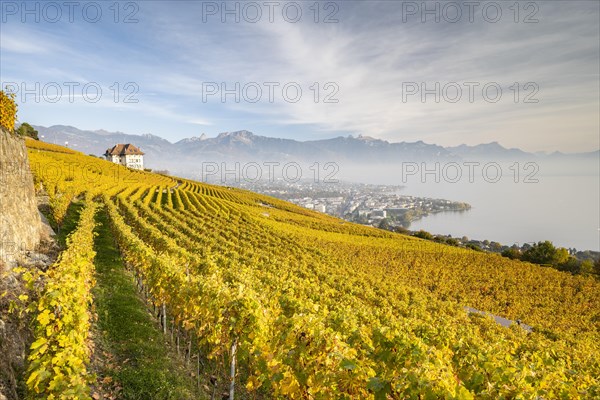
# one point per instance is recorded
(127, 155)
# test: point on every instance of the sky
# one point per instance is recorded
(524, 75)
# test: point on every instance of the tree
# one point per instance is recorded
(586, 267)
(495, 246)
(385, 224)
(473, 246)
(513, 253)
(423, 235)
(571, 265)
(452, 242)
(401, 229)
(545, 253)
(439, 239)
(27, 130)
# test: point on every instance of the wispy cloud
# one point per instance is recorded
(368, 55)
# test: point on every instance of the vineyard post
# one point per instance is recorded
(198, 369)
(189, 350)
(214, 391)
(164, 318)
(177, 339)
(233, 355)
(172, 328)
(185, 347)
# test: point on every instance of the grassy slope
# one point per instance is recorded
(133, 355)
(69, 223)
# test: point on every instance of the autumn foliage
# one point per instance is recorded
(8, 110)
(315, 307)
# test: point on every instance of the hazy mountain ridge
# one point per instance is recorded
(246, 146)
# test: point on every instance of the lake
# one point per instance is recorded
(562, 209)
(563, 206)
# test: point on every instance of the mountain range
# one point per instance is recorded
(244, 146)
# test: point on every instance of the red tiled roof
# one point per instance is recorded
(124, 149)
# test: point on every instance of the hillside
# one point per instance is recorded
(296, 304)
(246, 146)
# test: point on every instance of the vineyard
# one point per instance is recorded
(296, 304)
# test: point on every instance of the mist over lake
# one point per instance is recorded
(562, 209)
(562, 206)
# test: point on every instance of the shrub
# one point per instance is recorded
(473, 246)
(27, 130)
(512, 253)
(423, 235)
(545, 253)
(8, 110)
(452, 242)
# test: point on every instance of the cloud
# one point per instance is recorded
(22, 45)
(368, 56)
(197, 121)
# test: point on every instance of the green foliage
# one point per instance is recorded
(452, 242)
(544, 253)
(512, 253)
(446, 240)
(571, 264)
(586, 267)
(576, 266)
(384, 224)
(402, 230)
(473, 246)
(423, 235)
(27, 130)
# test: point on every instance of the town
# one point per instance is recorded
(368, 204)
